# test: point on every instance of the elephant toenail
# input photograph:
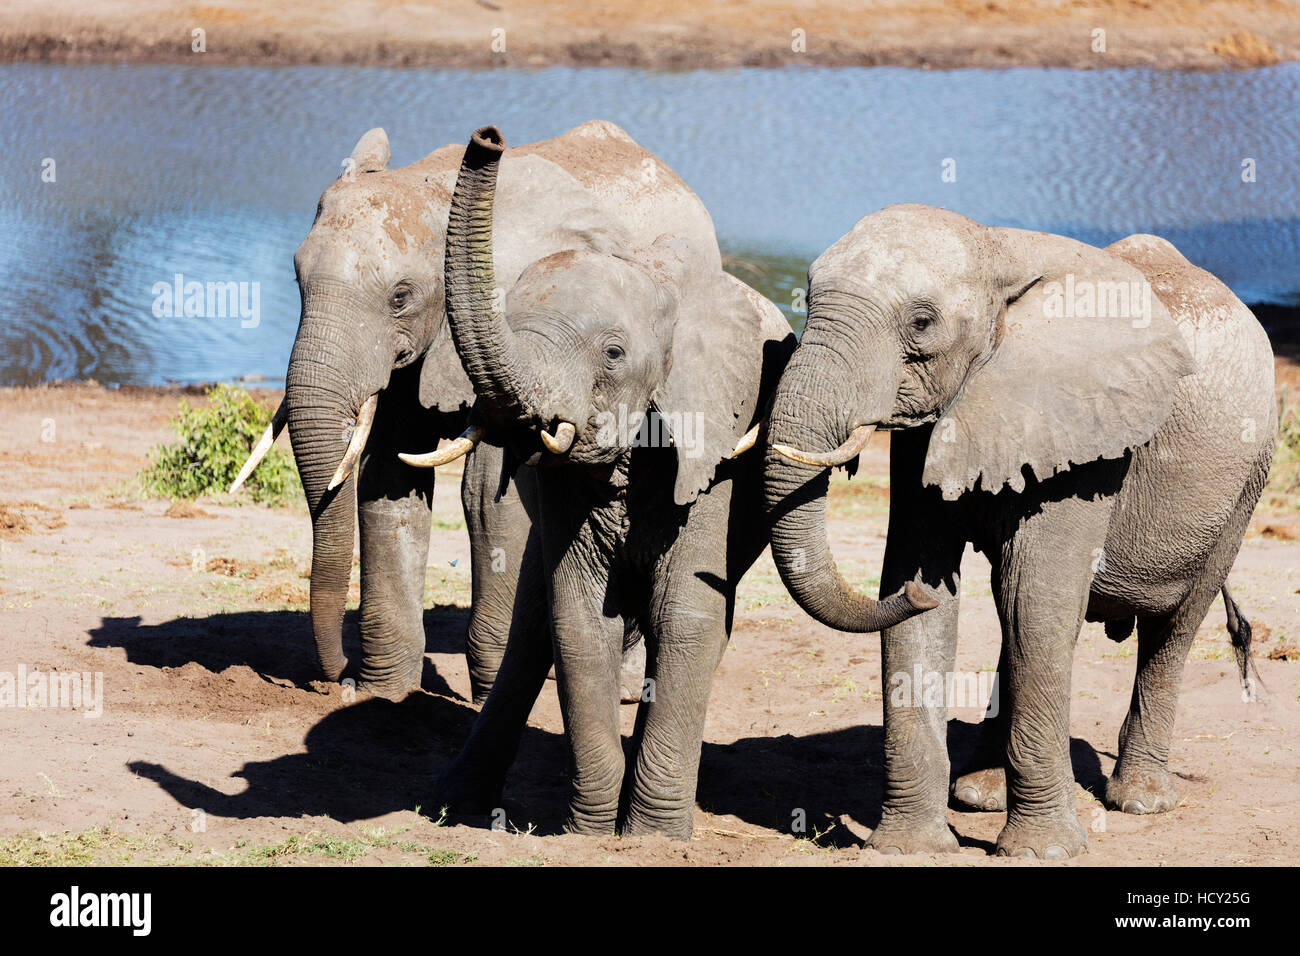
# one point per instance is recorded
(1133, 806)
(968, 795)
(1056, 852)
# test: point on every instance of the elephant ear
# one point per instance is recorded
(444, 386)
(729, 345)
(370, 155)
(1083, 366)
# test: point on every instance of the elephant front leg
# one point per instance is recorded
(394, 506)
(499, 537)
(1041, 580)
(916, 658)
(588, 647)
(689, 625)
(474, 781)
(924, 545)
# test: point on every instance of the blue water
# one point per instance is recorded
(215, 173)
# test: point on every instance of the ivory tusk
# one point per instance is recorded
(450, 452)
(746, 442)
(561, 441)
(365, 419)
(263, 445)
(854, 444)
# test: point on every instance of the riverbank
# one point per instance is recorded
(661, 34)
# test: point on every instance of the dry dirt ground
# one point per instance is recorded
(215, 747)
(678, 34)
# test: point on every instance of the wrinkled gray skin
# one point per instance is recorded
(373, 321)
(635, 539)
(1106, 466)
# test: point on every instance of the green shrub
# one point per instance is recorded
(214, 444)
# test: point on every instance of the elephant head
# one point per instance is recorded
(1023, 352)
(592, 351)
(370, 276)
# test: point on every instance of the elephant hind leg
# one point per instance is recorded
(1141, 782)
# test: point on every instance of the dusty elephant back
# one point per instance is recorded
(1216, 443)
(591, 187)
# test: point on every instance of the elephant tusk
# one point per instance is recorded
(453, 450)
(561, 441)
(263, 445)
(365, 419)
(854, 444)
(746, 442)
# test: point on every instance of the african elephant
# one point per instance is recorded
(632, 374)
(374, 360)
(1099, 423)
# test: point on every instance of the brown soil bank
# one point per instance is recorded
(1174, 34)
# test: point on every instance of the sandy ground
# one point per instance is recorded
(678, 34)
(214, 746)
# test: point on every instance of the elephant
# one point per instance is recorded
(635, 376)
(1099, 423)
(373, 360)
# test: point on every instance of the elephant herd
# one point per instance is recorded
(638, 425)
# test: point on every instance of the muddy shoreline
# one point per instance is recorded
(666, 34)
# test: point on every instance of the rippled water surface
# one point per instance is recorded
(214, 173)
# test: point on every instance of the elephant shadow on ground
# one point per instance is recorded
(371, 758)
(804, 785)
(277, 645)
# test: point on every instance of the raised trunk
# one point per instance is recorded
(496, 363)
(795, 500)
(328, 379)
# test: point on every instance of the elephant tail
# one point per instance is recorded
(1239, 632)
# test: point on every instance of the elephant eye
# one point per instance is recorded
(613, 352)
(922, 319)
(400, 297)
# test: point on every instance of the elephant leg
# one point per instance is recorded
(394, 509)
(690, 612)
(588, 644)
(1141, 782)
(983, 785)
(1042, 577)
(499, 535)
(474, 781)
(925, 546)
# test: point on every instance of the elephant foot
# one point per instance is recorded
(1142, 791)
(984, 790)
(591, 824)
(900, 837)
(675, 826)
(1053, 835)
(392, 685)
(461, 792)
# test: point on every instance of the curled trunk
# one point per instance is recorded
(795, 500)
(494, 360)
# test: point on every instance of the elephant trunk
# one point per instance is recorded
(803, 416)
(504, 373)
(329, 382)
